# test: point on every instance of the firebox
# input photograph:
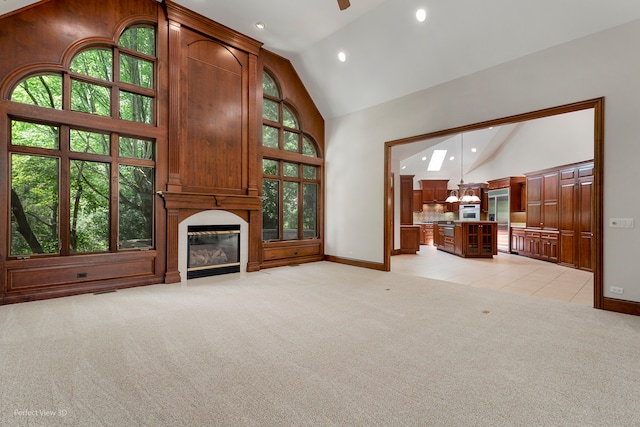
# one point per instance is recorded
(212, 250)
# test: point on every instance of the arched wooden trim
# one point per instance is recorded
(18, 75)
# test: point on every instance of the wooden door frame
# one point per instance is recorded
(597, 104)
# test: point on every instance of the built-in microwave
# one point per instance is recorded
(470, 212)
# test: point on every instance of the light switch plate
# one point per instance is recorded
(621, 222)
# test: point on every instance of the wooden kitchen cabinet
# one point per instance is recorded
(559, 215)
(576, 236)
(517, 240)
(517, 194)
(417, 200)
(409, 239)
(542, 200)
(541, 245)
(480, 239)
(434, 190)
(470, 239)
(406, 199)
(426, 234)
(438, 236)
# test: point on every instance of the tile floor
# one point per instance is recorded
(505, 272)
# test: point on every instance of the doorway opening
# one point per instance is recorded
(594, 105)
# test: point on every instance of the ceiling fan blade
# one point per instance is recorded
(343, 4)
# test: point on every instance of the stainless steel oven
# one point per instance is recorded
(470, 212)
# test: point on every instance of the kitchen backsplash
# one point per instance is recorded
(432, 213)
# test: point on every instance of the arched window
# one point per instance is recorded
(79, 185)
(291, 169)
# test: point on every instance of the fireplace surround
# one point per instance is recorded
(205, 218)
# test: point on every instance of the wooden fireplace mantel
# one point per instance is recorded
(202, 201)
(180, 205)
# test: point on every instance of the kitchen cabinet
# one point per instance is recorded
(417, 200)
(576, 236)
(452, 207)
(559, 215)
(438, 235)
(516, 186)
(541, 245)
(434, 190)
(406, 199)
(469, 239)
(426, 234)
(517, 240)
(542, 200)
(409, 239)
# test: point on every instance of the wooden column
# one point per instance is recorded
(175, 111)
(173, 219)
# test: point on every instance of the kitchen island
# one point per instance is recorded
(469, 239)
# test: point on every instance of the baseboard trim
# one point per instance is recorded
(356, 263)
(621, 306)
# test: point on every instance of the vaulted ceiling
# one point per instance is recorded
(389, 53)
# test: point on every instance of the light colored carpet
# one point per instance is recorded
(320, 344)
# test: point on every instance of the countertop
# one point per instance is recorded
(465, 222)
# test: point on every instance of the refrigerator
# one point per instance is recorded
(499, 212)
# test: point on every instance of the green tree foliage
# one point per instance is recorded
(39, 169)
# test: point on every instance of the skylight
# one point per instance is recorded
(436, 160)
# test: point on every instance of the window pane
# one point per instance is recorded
(90, 98)
(291, 141)
(135, 207)
(270, 110)
(141, 39)
(136, 71)
(288, 119)
(309, 172)
(270, 136)
(270, 208)
(34, 135)
(270, 167)
(290, 210)
(89, 219)
(34, 205)
(89, 142)
(291, 169)
(96, 63)
(137, 108)
(269, 86)
(308, 147)
(43, 90)
(310, 210)
(136, 148)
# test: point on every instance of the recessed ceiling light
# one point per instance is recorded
(424, 158)
(260, 25)
(452, 158)
(404, 167)
(421, 15)
(342, 56)
(473, 150)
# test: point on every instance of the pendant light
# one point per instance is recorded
(468, 195)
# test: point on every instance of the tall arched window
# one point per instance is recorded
(79, 184)
(292, 171)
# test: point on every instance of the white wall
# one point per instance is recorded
(541, 144)
(605, 64)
